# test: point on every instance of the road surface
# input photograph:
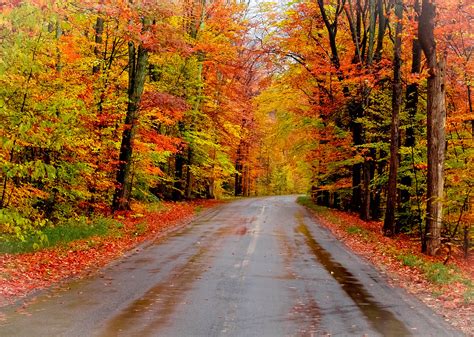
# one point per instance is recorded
(253, 267)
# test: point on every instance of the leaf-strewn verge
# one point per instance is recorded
(447, 289)
(24, 273)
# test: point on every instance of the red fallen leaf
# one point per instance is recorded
(23, 273)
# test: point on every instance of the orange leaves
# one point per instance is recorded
(69, 49)
(166, 108)
(160, 142)
(20, 274)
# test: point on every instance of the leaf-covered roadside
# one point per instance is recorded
(22, 274)
(447, 289)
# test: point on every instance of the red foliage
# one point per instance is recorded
(20, 274)
(383, 252)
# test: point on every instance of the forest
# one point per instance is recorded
(364, 104)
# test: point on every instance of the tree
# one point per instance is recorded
(389, 226)
(137, 69)
(436, 118)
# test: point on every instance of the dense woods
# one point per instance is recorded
(366, 104)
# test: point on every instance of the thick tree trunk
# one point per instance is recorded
(381, 30)
(389, 225)
(436, 118)
(355, 112)
(372, 24)
(136, 80)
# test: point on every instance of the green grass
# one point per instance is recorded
(469, 295)
(156, 207)
(70, 230)
(198, 209)
(435, 272)
(324, 212)
(410, 260)
(140, 228)
(439, 273)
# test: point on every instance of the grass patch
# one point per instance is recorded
(355, 230)
(324, 211)
(333, 218)
(155, 207)
(439, 273)
(410, 260)
(70, 230)
(140, 228)
(468, 296)
(435, 272)
(198, 209)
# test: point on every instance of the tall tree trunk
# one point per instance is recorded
(372, 24)
(99, 30)
(381, 30)
(189, 183)
(389, 225)
(406, 216)
(355, 112)
(136, 80)
(178, 185)
(436, 118)
(238, 173)
(366, 175)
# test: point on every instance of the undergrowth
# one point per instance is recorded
(66, 231)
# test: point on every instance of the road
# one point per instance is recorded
(252, 267)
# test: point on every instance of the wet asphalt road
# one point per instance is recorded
(253, 267)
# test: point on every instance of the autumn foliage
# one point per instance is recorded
(108, 102)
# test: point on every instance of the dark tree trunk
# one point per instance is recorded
(238, 173)
(179, 161)
(355, 112)
(99, 30)
(377, 198)
(136, 79)
(436, 118)
(381, 30)
(189, 183)
(389, 225)
(365, 208)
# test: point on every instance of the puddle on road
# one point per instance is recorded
(152, 310)
(380, 318)
(146, 315)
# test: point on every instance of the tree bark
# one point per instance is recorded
(238, 173)
(389, 225)
(136, 80)
(99, 30)
(436, 118)
(366, 174)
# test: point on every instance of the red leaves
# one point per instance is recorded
(385, 253)
(168, 108)
(23, 273)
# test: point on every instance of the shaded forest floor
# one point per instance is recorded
(25, 273)
(447, 289)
